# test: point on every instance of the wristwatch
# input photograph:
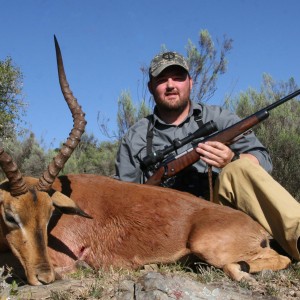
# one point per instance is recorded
(235, 156)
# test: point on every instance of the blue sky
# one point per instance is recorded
(104, 43)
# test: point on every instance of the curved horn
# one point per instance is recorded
(14, 176)
(47, 179)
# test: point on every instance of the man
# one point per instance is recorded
(241, 170)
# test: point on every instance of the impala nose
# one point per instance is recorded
(45, 275)
(46, 278)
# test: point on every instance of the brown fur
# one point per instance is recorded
(136, 224)
(132, 225)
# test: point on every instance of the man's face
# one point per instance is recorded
(171, 89)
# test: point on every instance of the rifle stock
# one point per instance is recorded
(227, 136)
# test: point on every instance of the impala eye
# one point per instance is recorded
(10, 219)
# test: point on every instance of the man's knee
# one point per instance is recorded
(240, 168)
(235, 176)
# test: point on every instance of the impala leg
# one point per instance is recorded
(238, 271)
(267, 259)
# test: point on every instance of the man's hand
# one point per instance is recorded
(215, 153)
(219, 155)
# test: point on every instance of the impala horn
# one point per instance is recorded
(58, 162)
(14, 176)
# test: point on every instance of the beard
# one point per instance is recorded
(172, 106)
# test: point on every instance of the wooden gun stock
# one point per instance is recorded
(227, 136)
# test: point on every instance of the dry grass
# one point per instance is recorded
(283, 284)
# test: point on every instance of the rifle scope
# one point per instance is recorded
(157, 156)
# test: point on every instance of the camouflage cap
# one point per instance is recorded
(164, 60)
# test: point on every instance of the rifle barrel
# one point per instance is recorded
(281, 101)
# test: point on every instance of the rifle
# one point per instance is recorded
(171, 166)
(158, 156)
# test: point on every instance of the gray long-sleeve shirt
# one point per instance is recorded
(133, 145)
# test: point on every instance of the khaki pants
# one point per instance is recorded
(249, 188)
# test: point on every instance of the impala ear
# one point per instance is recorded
(66, 205)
